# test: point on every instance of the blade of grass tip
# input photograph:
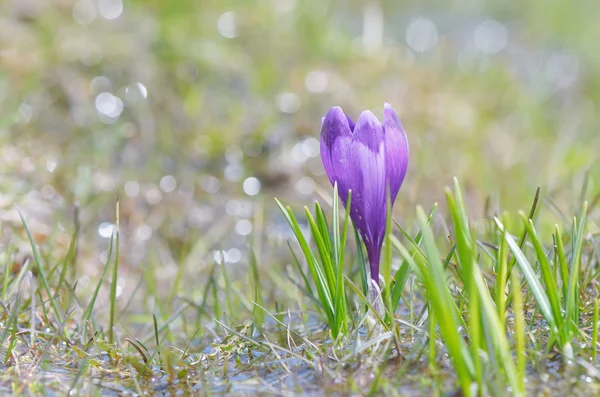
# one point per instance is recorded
(8, 314)
(402, 274)
(31, 282)
(185, 250)
(531, 278)
(215, 296)
(362, 264)
(497, 334)
(88, 311)
(258, 229)
(40, 268)
(415, 244)
(201, 309)
(302, 272)
(139, 350)
(323, 228)
(572, 309)
(421, 270)
(474, 323)
(386, 268)
(340, 292)
(316, 271)
(13, 326)
(321, 241)
(463, 239)
(418, 257)
(258, 315)
(167, 323)
(347, 221)
(114, 279)
(584, 188)
(400, 279)
(547, 274)
(70, 258)
(320, 272)
(6, 277)
(501, 278)
(335, 222)
(334, 253)
(532, 212)
(595, 332)
(134, 379)
(562, 262)
(156, 336)
(519, 329)
(228, 288)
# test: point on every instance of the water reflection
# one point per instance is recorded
(251, 186)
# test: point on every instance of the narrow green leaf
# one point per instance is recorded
(40, 268)
(572, 309)
(402, 274)
(519, 329)
(531, 278)
(547, 274)
(562, 262)
(317, 274)
(498, 335)
(443, 305)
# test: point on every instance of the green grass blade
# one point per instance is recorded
(386, 268)
(402, 274)
(307, 285)
(501, 278)
(257, 314)
(114, 279)
(464, 241)
(498, 334)
(40, 268)
(362, 262)
(519, 330)
(562, 262)
(595, 333)
(319, 278)
(323, 248)
(572, 306)
(340, 292)
(443, 305)
(335, 221)
(531, 278)
(88, 311)
(547, 274)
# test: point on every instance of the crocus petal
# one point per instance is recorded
(396, 150)
(368, 160)
(368, 209)
(334, 127)
(351, 123)
(368, 130)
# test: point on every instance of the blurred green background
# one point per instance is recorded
(197, 112)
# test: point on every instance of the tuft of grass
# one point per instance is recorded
(556, 291)
(327, 272)
(483, 326)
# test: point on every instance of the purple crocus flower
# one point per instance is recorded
(366, 157)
